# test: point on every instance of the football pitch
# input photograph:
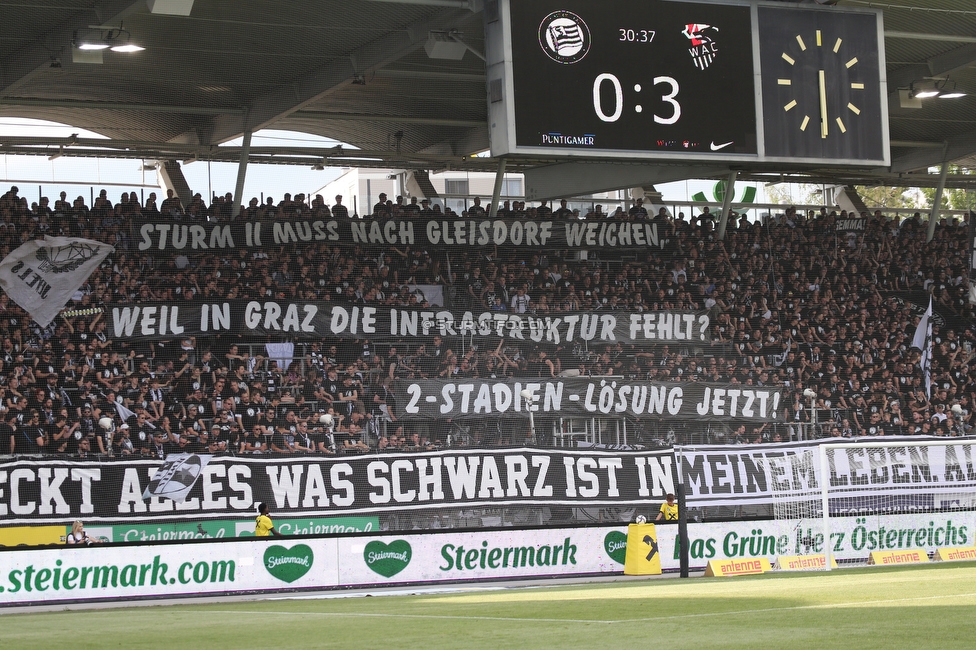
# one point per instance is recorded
(930, 606)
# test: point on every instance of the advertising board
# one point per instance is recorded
(161, 570)
(92, 573)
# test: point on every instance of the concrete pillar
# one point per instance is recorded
(727, 205)
(241, 173)
(937, 202)
(496, 193)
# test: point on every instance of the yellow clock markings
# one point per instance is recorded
(822, 82)
(823, 105)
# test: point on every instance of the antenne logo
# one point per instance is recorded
(564, 37)
(64, 259)
(703, 49)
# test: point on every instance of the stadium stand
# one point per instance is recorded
(793, 300)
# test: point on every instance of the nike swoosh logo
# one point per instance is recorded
(716, 147)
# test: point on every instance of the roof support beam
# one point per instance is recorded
(579, 178)
(919, 36)
(396, 73)
(471, 5)
(19, 67)
(394, 119)
(472, 141)
(961, 146)
(295, 95)
(117, 106)
(936, 66)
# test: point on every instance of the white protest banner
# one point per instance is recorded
(909, 475)
(43, 274)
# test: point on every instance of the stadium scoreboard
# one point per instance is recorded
(666, 79)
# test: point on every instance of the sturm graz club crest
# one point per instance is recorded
(64, 259)
(177, 476)
(564, 37)
(703, 48)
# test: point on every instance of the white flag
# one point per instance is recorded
(780, 359)
(176, 477)
(125, 414)
(923, 341)
(43, 274)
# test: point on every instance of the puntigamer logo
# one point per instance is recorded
(288, 564)
(387, 559)
(61, 577)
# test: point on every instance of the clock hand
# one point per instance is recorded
(823, 106)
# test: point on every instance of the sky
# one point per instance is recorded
(29, 173)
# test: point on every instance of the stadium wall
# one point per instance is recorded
(304, 563)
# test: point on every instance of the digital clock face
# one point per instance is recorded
(632, 76)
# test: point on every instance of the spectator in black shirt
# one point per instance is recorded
(64, 436)
(84, 449)
(266, 424)
(411, 209)
(122, 442)
(476, 210)
(180, 446)
(157, 448)
(279, 444)
(219, 437)
(339, 211)
(7, 433)
(322, 437)
(303, 439)
(638, 211)
(348, 396)
(171, 205)
(381, 209)
(563, 212)
(31, 438)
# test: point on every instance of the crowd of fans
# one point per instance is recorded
(793, 302)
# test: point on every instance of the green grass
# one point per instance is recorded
(921, 607)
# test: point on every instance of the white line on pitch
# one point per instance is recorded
(382, 615)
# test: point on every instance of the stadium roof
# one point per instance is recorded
(357, 71)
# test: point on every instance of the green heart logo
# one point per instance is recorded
(387, 559)
(615, 544)
(288, 564)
